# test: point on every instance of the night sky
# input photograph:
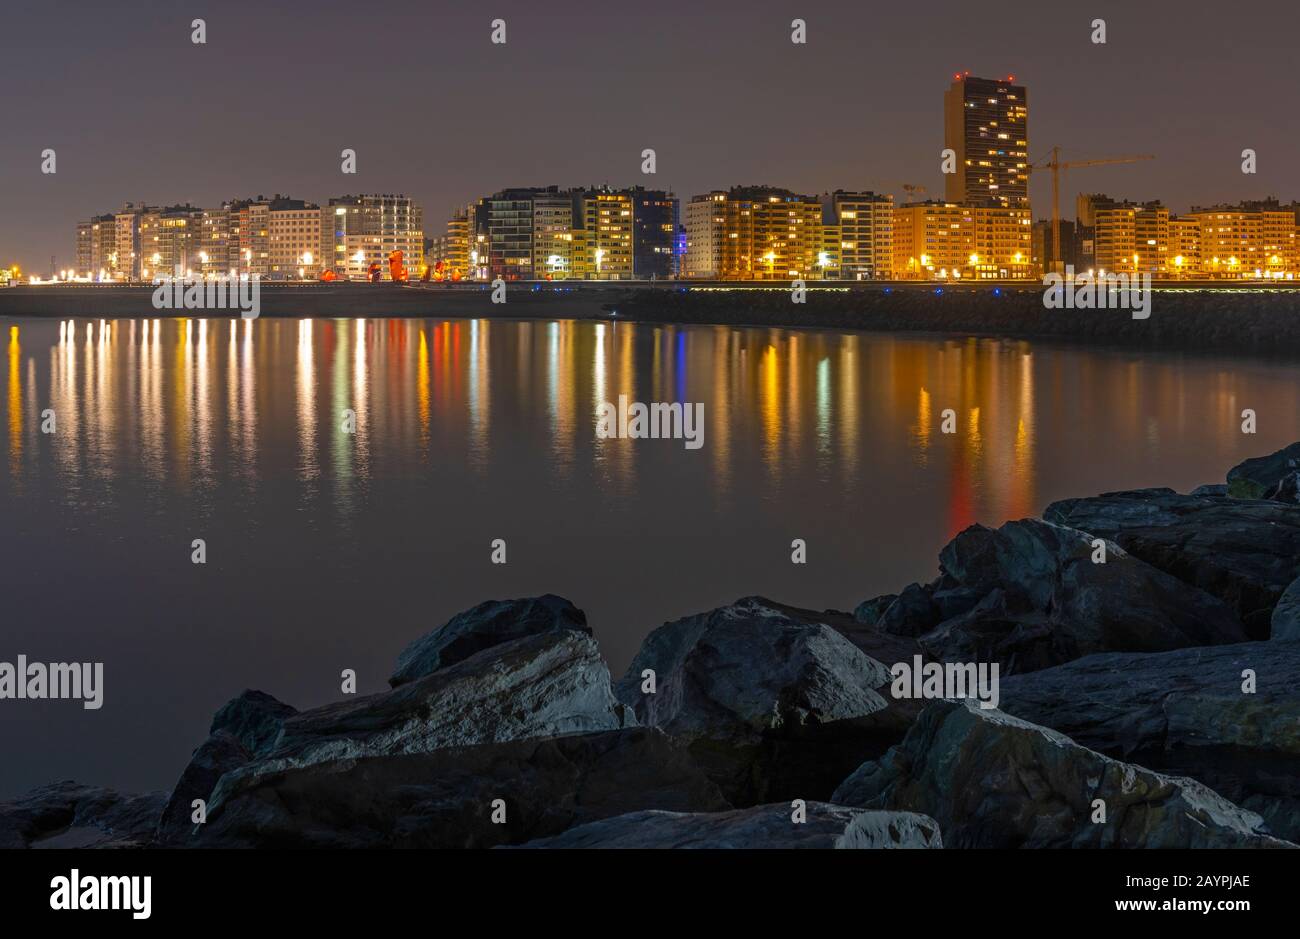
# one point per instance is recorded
(137, 112)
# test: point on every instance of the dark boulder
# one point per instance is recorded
(1185, 713)
(763, 826)
(243, 728)
(547, 685)
(70, 815)
(868, 612)
(774, 704)
(1286, 615)
(482, 627)
(1286, 490)
(913, 612)
(254, 718)
(1243, 551)
(444, 798)
(219, 754)
(994, 781)
(1252, 478)
(1043, 599)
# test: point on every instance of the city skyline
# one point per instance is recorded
(438, 112)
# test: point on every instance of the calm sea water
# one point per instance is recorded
(328, 550)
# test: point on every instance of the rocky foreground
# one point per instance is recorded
(1147, 694)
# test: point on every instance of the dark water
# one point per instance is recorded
(328, 550)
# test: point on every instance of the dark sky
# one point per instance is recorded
(136, 111)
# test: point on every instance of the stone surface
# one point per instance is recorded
(764, 826)
(219, 754)
(773, 704)
(1252, 478)
(1286, 615)
(482, 627)
(443, 798)
(1184, 713)
(254, 718)
(1243, 551)
(868, 612)
(1287, 489)
(547, 685)
(243, 728)
(913, 612)
(994, 781)
(70, 815)
(1028, 595)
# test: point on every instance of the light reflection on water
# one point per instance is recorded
(331, 549)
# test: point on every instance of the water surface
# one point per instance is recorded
(329, 550)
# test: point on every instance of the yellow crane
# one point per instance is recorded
(1055, 165)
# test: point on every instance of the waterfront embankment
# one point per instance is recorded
(1250, 319)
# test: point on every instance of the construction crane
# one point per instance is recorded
(1055, 165)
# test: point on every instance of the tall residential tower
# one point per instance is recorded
(985, 122)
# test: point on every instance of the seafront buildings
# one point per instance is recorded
(982, 230)
(275, 238)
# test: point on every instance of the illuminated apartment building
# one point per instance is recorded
(607, 219)
(103, 237)
(1130, 238)
(1184, 261)
(293, 239)
(125, 258)
(83, 267)
(456, 255)
(705, 233)
(941, 240)
(170, 240)
(829, 256)
(358, 231)
(221, 242)
(255, 237)
(986, 125)
(655, 224)
(770, 234)
(866, 226)
(552, 235)
(1252, 241)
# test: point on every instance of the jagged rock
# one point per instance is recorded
(913, 613)
(772, 704)
(868, 612)
(243, 728)
(70, 815)
(1184, 713)
(1210, 489)
(444, 798)
(1028, 595)
(764, 826)
(875, 643)
(1245, 552)
(1252, 478)
(219, 754)
(547, 685)
(1286, 615)
(486, 625)
(994, 781)
(1286, 490)
(254, 718)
